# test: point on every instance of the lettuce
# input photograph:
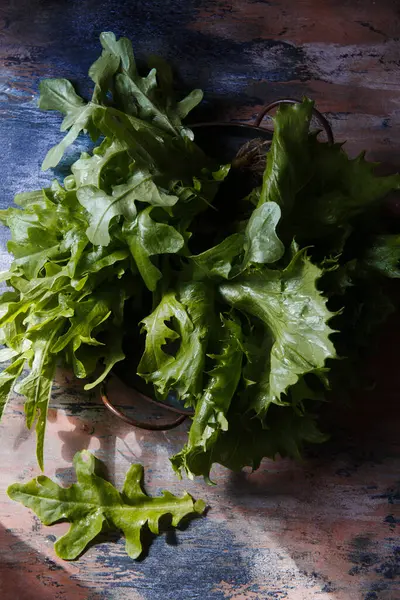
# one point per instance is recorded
(247, 331)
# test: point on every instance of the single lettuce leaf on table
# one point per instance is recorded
(92, 504)
(383, 255)
(247, 441)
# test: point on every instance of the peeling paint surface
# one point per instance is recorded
(323, 529)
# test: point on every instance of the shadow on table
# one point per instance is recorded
(27, 575)
(334, 514)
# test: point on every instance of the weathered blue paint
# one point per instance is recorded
(180, 566)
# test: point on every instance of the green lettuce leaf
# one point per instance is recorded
(258, 244)
(146, 238)
(150, 104)
(340, 190)
(8, 377)
(36, 387)
(295, 320)
(59, 94)
(384, 255)
(217, 262)
(101, 73)
(110, 159)
(102, 208)
(318, 187)
(262, 245)
(93, 504)
(82, 120)
(248, 441)
(211, 409)
(288, 162)
(110, 357)
(141, 97)
(190, 311)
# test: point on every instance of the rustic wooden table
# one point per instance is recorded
(323, 529)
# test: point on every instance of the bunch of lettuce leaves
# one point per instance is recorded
(248, 331)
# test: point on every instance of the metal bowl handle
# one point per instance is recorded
(163, 426)
(319, 116)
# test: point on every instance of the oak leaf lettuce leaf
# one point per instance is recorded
(93, 504)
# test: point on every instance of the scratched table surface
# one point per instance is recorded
(321, 529)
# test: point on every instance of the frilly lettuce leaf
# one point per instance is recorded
(294, 314)
(140, 97)
(383, 255)
(196, 457)
(151, 105)
(190, 313)
(102, 208)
